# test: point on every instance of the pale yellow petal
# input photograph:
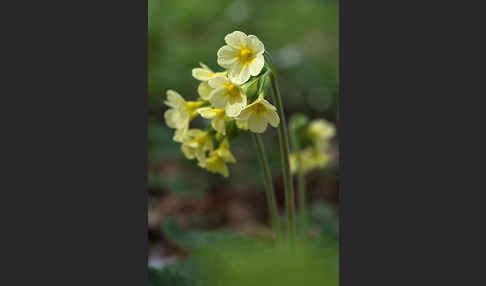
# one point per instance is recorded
(218, 81)
(219, 125)
(218, 98)
(272, 118)
(233, 110)
(202, 74)
(245, 113)
(256, 65)
(206, 112)
(204, 90)
(236, 39)
(174, 99)
(239, 73)
(257, 124)
(255, 45)
(227, 56)
(188, 152)
(267, 104)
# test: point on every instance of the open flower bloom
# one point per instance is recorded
(218, 117)
(181, 111)
(242, 56)
(321, 130)
(216, 162)
(195, 143)
(259, 114)
(203, 74)
(227, 95)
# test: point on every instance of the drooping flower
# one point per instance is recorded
(203, 74)
(216, 162)
(259, 114)
(242, 56)
(181, 111)
(217, 116)
(227, 95)
(195, 143)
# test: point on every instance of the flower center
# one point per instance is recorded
(246, 55)
(233, 91)
(260, 109)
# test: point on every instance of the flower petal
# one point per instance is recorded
(256, 65)
(202, 74)
(219, 125)
(218, 97)
(255, 44)
(239, 73)
(272, 118)
(206, 112)
(257, 124)
(218, 81)
(233, 110)
(245, 114)
(204, 90)
(236, 39)
(227, 56)
(174, 99)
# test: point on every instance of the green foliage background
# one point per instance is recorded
(302, 37)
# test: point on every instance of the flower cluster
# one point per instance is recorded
(224, 100)
(317, 135)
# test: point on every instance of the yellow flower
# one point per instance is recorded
(204, 73)
(321, 130)
(218, 117)
(309, 159)
(180, 112)
(242, 56)
(195, 144)
(258, 114)
(217, 160)
(227, 95)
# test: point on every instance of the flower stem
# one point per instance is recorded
(285, 155)
(301, 191)
(268, 182)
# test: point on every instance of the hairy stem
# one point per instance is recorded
(285, 155)
(268, 182)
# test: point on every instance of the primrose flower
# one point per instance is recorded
(258, 114)
(218, 117)
(180, 112)
(216, 162)
(321, 130)
(242, 56)
(203, 74)
(227, 95)
(195, 143)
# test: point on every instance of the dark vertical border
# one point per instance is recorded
(76, 163)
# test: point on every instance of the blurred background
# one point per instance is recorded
(302, 37)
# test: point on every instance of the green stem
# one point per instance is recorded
(268, 182)
(302, 197)
(285, 155)
(301, 191)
